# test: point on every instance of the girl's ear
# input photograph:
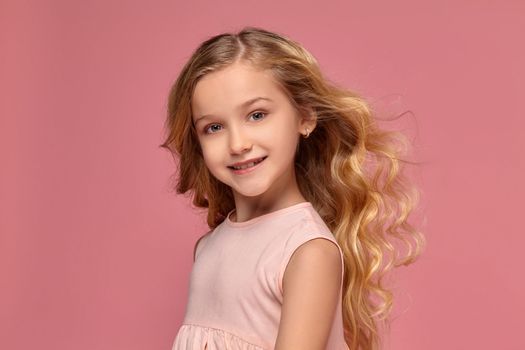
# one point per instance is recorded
(308, 120)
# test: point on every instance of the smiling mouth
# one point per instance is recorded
(246, 166)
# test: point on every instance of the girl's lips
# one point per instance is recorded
(248, 170)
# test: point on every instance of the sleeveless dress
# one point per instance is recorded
(235, 288)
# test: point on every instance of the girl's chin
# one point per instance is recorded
(248, 192)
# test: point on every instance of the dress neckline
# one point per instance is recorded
(269, 215)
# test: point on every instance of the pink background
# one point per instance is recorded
(95, 252)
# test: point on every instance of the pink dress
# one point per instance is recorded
(235, 291)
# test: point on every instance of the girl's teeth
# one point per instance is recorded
(246, 165)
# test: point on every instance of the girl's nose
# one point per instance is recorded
(239, 142)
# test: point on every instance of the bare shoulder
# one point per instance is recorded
(311, 285)
(318, 258)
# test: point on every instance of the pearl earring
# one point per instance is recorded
(307, 133)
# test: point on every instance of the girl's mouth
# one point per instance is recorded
(247, 167)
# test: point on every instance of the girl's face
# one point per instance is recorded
(241, 114)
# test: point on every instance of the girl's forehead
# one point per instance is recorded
(237, 76)
(232, 86)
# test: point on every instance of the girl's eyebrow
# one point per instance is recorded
(241, 106)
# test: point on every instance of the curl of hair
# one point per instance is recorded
(349, 169)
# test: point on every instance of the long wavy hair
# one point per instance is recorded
(349, 169)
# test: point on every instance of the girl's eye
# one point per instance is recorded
(210, 127)
(259, 114)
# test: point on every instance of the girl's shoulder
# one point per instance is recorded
(312, 226)
(198, 247)
(314, 231)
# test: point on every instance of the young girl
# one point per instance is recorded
(303, 191)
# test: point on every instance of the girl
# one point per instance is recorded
(302, 190)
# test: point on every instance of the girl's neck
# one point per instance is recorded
(247, 212)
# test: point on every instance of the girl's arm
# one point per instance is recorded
(311, 284)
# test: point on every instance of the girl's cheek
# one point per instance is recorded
(207, 144)
(210, 151)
